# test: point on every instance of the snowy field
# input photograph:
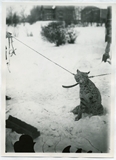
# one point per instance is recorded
(38, 98)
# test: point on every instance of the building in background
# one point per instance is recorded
(65, 13)
(47, 13)
(70, 14)
(92, 15)
(58, 13)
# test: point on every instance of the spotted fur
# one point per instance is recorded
(90, 97)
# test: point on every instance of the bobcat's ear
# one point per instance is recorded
(87, 73)
(78, 71)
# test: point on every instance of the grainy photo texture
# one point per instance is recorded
(58, 79)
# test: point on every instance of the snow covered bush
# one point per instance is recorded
(71, 35)
(57, 33)
(54, 33)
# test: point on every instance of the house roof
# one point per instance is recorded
(47, 7)
(90, 7)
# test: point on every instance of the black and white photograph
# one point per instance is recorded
(57, 97)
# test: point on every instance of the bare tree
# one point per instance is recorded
(9, 15)
(23, 15)
(12, 17)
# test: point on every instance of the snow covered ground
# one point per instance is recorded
(38, 98)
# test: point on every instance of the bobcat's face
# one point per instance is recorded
(81, 77)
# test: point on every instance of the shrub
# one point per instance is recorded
(57, 33)
(71, 35)
(54, 33)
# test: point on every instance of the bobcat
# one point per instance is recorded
(90, 97)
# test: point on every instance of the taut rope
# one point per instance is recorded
(55, 62)
(45, 56)
(89, 77)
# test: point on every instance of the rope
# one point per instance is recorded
(89, 77)
(55, 62)
(44, 56)
(100, 75)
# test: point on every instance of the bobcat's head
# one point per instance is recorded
(81, 77)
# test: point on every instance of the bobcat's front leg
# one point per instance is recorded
(75, 110)
(79, 113)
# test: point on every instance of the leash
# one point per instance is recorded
(100, 75)
(56, 63)
(89, 77)
(44, 56)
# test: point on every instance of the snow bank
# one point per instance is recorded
(35, 85)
